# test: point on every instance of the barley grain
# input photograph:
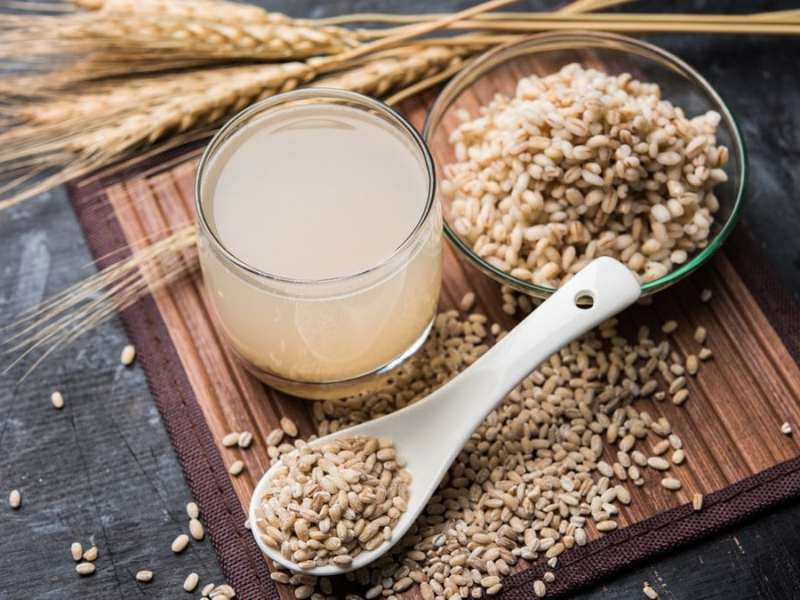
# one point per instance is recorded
(669, 326)
(15, 499)
(196, 529)
(705, 295)
(274, 437)
(128, 355)
(209, 587)
(192, 510)
(700, 334)
(57, 400)
(658, 463)
(697, 502)
(144, 576)
(179, 543)
(786, 428)
(467, 302)
(245, 439)
(91, 554)
(236, 468)
(76, 550)
(231, 439)
(671, 483)
(704, 354)
(649, 592)
(550, 178)
(85, 568)
(191, 581)
(348, 489)
(288, 427)
(539, 588)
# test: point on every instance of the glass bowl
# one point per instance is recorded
(498, 71)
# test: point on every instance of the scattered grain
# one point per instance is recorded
(288, 427)
(649, 592)
(245, 439)
(57, 399)
(705, 295)
(678, 457)
(704, 354)
(76, 550)
(179, 543)
(144, 576)
(128, 355)
(191, 581)
(196, 529)
(467, 302)
(91, 554)
(209, 587)
(786, 428)
(231, 439)
(669, 326)
(192, 510)
(671, 483)
(15, 499)
(236, 468)
(85, 568)
(539, 588)
(700, 334)
(697, 501)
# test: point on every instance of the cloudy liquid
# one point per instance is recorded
(320, 194)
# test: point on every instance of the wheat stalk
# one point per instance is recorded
(220, 11)
(126, 41)
(383, 75)
(80, 308)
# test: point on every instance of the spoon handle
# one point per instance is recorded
(476, 391)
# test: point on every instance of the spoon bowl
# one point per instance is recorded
(429, 434)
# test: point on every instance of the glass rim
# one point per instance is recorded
(510, 50)
(318, 93)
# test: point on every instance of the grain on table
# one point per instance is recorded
(191, 581)
(649, 591)
(57, 400)
(144, 576)
(231, 439)
(196, 529)
(179, 543)
(128, 355)
(602, 417)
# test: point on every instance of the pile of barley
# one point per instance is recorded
(581, 164)
(328, 504)
(536, 478)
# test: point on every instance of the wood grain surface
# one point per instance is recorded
(730, 425)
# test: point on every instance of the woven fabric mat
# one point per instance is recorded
(737, 455)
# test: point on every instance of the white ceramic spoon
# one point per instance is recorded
(430, 434)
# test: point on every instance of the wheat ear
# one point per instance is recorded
(80, 308)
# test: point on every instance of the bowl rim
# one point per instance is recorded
(510, 50)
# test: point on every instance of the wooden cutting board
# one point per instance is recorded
(730, 426)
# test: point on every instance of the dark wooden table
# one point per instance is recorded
(102, 470)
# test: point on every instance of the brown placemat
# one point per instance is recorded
(738, 457)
